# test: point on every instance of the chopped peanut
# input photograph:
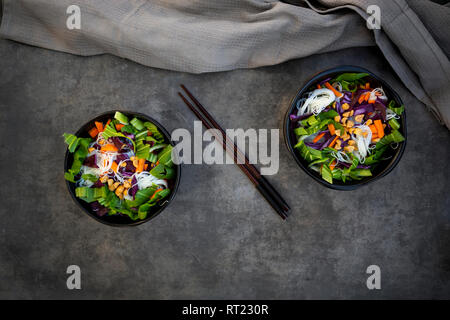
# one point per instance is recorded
(124, 164)
(349, 148)
(359, 118)
(350, 124)
(358, 131)
(114, 186)
(345, 137)
(376, 140)
(110, 181)
(351, 142)
(126, 184)
(345, 106)
(368, 122)
(337, 118)
(136, 163)
(346, 114)
(119, 190)
(337, 132)
(104, 179)
(344, 120)
(338, 147)
(352, 113)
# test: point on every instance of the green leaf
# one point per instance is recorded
(327, 115)
(394, 137)
(398, 110)
(350, 77)
(325, 171)
(300, 131)
(154, 130)
(375, 157)
(394, 124)
(89, 177)
(162, 172)
(307, 153)
(90, 194)
(138, 124)
(121, 117)
(72, 141)
(165, 156)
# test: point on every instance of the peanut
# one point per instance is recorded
(119, 190)
(337, 118)
(369, 122)
(126, 184)
(346, 114)
(345, 106)
(104, 179)
(350, 124)
(351, 142)
(349, 148)
(359, 118)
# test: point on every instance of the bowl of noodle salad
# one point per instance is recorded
(119, 168)
(346, 127)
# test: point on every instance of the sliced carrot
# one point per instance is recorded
(107, 122)
(332, 129)
(158, 190)
(337, 93)
(373, 129)
(141, 164)
(93, 132)
(361, 98)
(318, 86)
(333, 142)
(146, 166)
(99, 126)
(332, 165)
(91, 149)
(157, 162)
(380, 129)
(367, 85)
(109, 147)
(372, 101)
(119, 126)
(114, 166)
(318, 137)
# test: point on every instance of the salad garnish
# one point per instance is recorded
(124, 167)
(344, 125)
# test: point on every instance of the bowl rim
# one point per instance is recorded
(357, 184)
(166, 203)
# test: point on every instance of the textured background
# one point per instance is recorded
(218, 239)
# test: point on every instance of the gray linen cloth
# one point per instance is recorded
(216, 35)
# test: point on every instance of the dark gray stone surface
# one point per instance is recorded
(218, 239)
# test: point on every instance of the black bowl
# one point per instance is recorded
(122, 220)
(382, 169)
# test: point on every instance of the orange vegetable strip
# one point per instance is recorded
(99, 126)
(114, 166)
(158, 190)
(93, 132)
(141, 164)
(373, 129)
(119, 126)
(380, 129)
(318, 86)
(367, 85)
(337, 93)
(332, 165)
(109, 147)
(333, 142)
(318, 137)
(108, 122)
(146, 166)
(332, 129)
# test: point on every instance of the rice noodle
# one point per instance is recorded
(318, 100)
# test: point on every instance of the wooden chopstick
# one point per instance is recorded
(254, 171)
(269, 193)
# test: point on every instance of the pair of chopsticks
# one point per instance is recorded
(264, 187)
